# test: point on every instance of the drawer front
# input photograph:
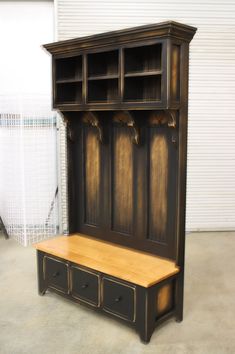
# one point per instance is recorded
(119, 299)
(85, 285)
(56, 274)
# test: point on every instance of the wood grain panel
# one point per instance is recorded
(91, 176)
(118, 261)
(175, 73)
(164, 299)
(158, 182)
(122, 188)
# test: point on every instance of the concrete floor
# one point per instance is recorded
(50, 324)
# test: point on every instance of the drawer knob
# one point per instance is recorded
(118, 299)
(55, 274)
(84, 286)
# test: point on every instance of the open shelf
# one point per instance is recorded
(69, 92)
(103, 64)
(64, 81)
(103, 77)
(144, 73)
(143, 88)
(68, 69)
(143, 59)
(103, 90)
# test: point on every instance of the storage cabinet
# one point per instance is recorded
(123, 96)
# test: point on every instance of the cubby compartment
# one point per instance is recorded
(103, 90)
(103, 64)
(68, 69)
(143, 59)
(69, 92)
(143, 88)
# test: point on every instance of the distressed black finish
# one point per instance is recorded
(130, 303)
(85, 285)
(119, 298)
(124, 98)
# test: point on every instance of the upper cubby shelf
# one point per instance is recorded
(103, 65)
(128, 69)
(68, 69)
(142, 73)
(143, 60)
(103, 74)
(68, 80)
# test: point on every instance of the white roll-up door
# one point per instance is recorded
(211, 152)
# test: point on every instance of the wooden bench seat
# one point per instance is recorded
(127, 264)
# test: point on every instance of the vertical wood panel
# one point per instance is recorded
(158, 181)
(175, 81)
(92, 176)
(122, 196)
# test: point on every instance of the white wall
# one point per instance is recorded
(25, 70)
(211, 161)
(28, 175)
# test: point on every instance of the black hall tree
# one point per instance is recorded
(124, 98)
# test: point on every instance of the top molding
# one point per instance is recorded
(169, 29)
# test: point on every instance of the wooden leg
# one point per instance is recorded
(41, 282)
(145, 316)
(179, 297)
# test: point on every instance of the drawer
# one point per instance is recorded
(56, 274)
(119, 299)
(85, 285)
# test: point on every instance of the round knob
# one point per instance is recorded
(55, 274)
(118, 299)
(84, 286)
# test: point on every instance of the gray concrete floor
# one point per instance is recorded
(50, 324)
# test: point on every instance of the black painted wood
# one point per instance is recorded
(119, 298)
(128, 302)
(55, 272)
(40, 274)
(85, 285)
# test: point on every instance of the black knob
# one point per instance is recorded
(84, 286)
(55, 274)
(118, 299)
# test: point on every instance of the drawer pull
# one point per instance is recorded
(55, 274)
(118, 299)
(84, 286)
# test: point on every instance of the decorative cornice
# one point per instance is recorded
(147, 32)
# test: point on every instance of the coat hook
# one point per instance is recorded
(126, 118)
(92, 119)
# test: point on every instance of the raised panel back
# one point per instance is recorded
(125, 192)
(122, 180)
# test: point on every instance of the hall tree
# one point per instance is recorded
(124, 98)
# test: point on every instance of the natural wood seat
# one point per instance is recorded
(134, 266)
